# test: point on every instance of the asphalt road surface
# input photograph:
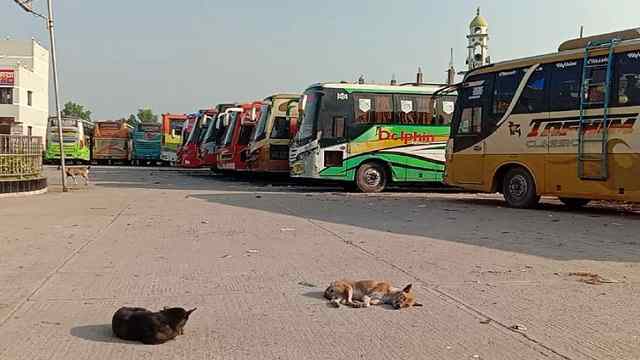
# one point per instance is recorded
(255, 255)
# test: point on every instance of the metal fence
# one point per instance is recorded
(20, 157)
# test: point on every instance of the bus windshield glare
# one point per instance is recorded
(228, 136)
(261, 127)
(310, 104)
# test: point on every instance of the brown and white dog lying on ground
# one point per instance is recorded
(364, 293)
(75, 171)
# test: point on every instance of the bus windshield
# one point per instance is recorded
(310, 106)
(210, 135)
(261, 127)
(228, 136)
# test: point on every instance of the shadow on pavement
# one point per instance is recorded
(98, 333)
(602, 233)
(596, 234)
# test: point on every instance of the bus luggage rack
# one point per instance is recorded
(593, 160)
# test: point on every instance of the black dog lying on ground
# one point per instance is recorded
(139, 324)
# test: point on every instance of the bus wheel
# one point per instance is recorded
(371, 178)
(573, 203)
(519, 189)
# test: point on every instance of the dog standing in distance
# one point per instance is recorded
(75, 171)
(152, 328)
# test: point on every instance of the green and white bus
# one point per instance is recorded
(77, 138)
(371, 135)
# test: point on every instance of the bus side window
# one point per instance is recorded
(628, 75)
(595, 82)
(565, 86)
(533, 99)
(373, 109)
(506, 84)
(413, 109)
(470, 121)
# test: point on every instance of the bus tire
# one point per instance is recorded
(371, 177)
(574, 203)
(519, 189)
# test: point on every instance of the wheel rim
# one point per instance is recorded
(372, 177)
(518, 186)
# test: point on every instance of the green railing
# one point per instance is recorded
(20, 157)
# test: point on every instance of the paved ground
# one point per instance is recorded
(255, 258)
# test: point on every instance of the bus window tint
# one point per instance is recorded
(565, 86)
(532, 99)
(507, 83)
(373, 109)
(628, 74)
(413, 109)
(280, 128)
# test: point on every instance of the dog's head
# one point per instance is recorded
(177, 317)
(404, 298)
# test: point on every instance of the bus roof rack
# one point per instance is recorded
(581, 43)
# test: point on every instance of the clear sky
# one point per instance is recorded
(177, 56)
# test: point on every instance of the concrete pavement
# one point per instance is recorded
(255, 259)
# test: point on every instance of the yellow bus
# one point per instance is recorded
(564, 124)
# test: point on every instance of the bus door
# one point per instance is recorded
(469, 131)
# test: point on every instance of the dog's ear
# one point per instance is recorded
(190, 311)
(407, 288)
(417, 304)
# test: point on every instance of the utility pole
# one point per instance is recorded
(27, 6)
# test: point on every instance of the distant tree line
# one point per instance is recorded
(144, 115)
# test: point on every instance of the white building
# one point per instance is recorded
(24, 87)
(478, 42)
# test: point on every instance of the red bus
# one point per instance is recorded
(190, 150)
(213, 136)
(233, 155)
(269, 147)
(187, 129)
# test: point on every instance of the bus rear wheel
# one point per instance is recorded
(371, 178)
(574, 203)
(519, 189)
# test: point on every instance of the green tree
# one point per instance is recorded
(147, 116)
(76, 110)
(132, 120)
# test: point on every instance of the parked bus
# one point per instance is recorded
(213, 136)
(564, 124)
(147, 143)
(371, 135)
(190, 151)
(187, 128)
(111, 141)
(232, 155)
(269, 147)
(77, 138)
(171, 136)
